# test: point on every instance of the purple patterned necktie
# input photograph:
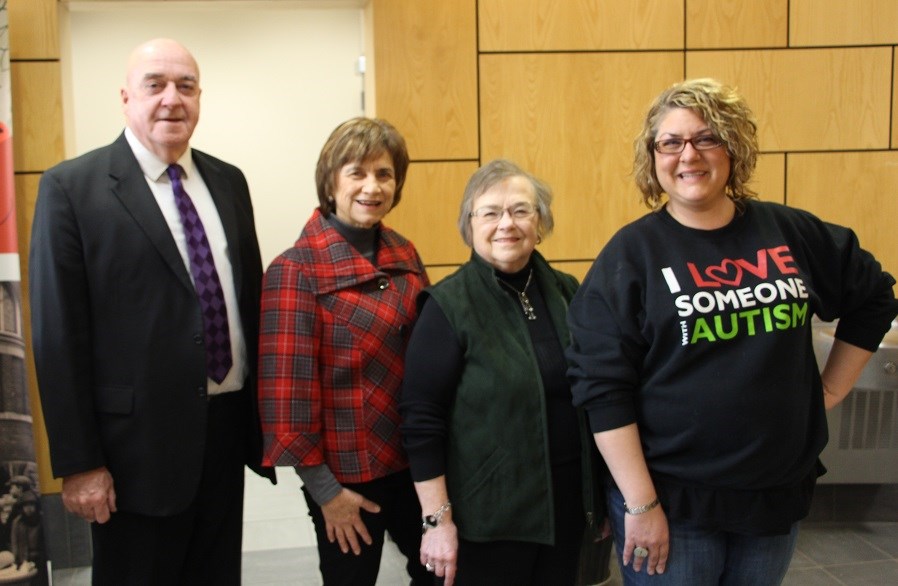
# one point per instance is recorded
(205, 278)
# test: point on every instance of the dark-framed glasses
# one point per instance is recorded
(492, 214)
(673, 146)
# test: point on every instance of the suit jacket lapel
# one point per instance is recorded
(130, 187)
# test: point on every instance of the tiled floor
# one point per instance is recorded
(278, 548)
(829, 554)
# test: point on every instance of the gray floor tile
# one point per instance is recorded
(801, 561)
(881, 535)
(298, 565)
(810, 577)
(883, 573)
(835, 543)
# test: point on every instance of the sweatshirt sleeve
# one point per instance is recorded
(607, 346)
(865, 302)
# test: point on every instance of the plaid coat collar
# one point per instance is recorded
(339, 266)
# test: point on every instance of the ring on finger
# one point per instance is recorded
(428, 567)
(640, 552)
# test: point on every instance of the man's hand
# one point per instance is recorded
(90, 495)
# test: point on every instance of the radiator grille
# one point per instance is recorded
(868, 420)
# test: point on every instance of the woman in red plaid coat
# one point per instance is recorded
(337, 308)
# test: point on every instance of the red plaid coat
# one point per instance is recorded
(333, 334)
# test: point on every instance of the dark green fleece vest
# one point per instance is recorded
(498, 471)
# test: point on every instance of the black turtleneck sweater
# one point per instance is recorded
(363, 240)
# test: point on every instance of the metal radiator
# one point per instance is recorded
(863, 430)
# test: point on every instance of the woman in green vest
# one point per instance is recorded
(495, 446)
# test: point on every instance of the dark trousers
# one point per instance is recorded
(519, 563)
(400, 515)
(201, 546)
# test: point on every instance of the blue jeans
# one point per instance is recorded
(706, 557)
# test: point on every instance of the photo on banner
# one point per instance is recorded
(23, 555)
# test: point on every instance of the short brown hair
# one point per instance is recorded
(359, 140)
(724, 111)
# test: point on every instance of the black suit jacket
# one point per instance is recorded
(117, 330)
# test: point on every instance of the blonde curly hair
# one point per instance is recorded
(729, 118)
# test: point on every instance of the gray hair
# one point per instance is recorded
(492, 174)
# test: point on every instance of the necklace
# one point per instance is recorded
(522, 296)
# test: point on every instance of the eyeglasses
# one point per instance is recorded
(492, 214)
(673, 146)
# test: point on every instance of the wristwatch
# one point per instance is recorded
(433, 521)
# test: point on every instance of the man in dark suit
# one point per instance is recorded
(147, 386)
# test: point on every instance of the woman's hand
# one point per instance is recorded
(439, 550)
(622, 451)
(344, 521)
(648, 530)
(439, 545)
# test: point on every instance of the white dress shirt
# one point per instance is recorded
(154, 171)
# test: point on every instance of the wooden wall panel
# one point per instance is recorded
(438, 273)
(33, 29)
(572, 25)
(837, 22)
(426, 75)
(769, 178)
(37, 114)
(428, 211)
(26, 196)
(852, 189)
(809, 99)
(819, 74)
(571, 120)
(895, 98)
(712, 24)
(576, 268)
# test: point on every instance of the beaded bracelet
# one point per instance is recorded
(432, 521)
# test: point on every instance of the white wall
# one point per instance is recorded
(277, 77)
